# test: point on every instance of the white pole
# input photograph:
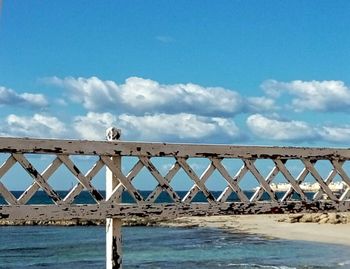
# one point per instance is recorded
(113, 226)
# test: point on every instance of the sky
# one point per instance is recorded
(222, 72)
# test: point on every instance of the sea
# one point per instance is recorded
(83, 247)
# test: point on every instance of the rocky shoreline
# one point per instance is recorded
(320, 218)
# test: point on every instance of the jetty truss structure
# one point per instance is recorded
(110, 206)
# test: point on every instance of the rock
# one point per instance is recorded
(348, 218)
(316, 217)
(282, 220)
(306, 218)
(323, 216)
(323, 221)
(334, 221)
(333, 218)
(297, 216)
(292, 220)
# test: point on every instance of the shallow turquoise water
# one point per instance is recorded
(154, 247)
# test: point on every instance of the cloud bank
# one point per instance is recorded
(139, 96)
(179, 127)
(148, 110)
(324, 96)
(275, 129)
(11, 98)
(38, 125)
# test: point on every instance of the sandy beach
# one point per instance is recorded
(270, 226)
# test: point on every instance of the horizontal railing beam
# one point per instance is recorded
(81, 147)
(168, 211)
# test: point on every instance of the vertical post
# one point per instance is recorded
(113, 226)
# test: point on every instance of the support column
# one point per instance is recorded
(113, 226)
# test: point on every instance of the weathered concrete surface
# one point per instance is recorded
(80, 222)
(170, 211)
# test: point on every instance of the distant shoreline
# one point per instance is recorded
(331, 228)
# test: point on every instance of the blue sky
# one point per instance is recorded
(246, 72)
(236, 72)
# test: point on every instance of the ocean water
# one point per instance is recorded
(84, 197)
(34, 247)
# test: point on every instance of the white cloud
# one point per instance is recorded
(274, 129)
(170, 128)
(260, 104)
(93, 126)
(139, 96)
(161, 127)
(179, 127)
(312, 95)
(290, 130)
(36, 126)
(335, 134)
(10, 97)
(92, 92)
(156, 127)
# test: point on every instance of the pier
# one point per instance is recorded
(111, 155)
